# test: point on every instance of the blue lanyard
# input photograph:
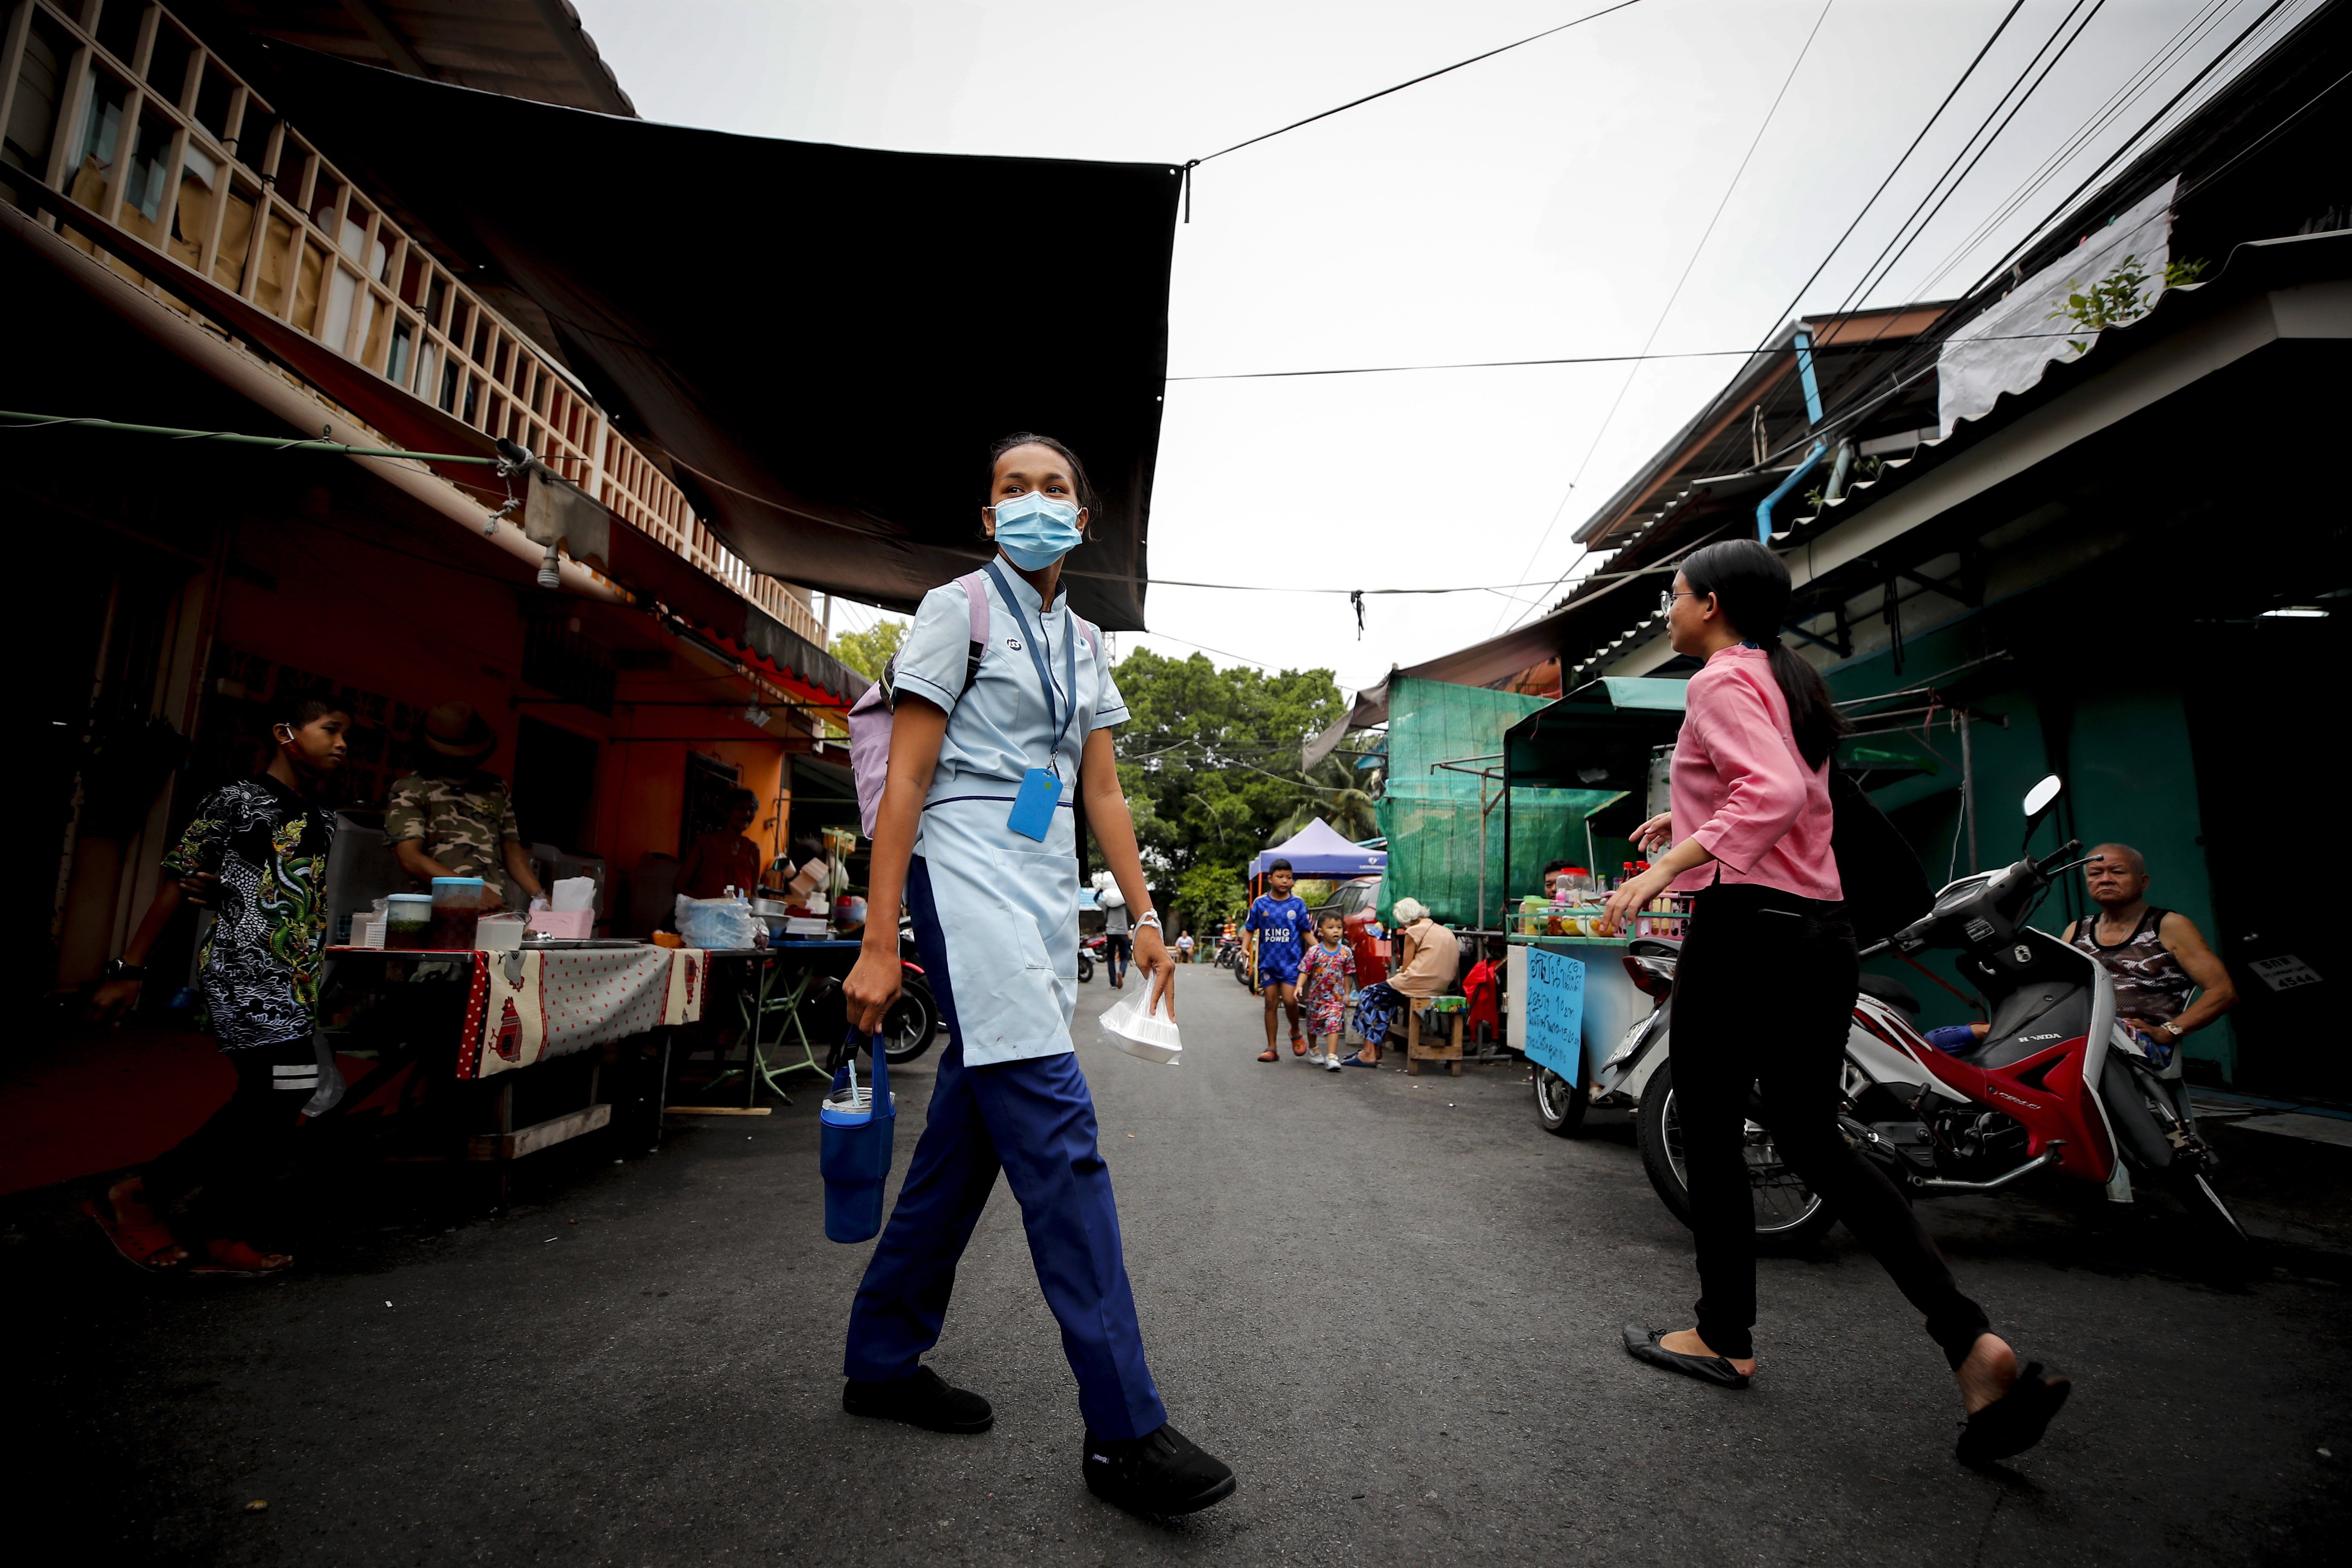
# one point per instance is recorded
(1057, 721)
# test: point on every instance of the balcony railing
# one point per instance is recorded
(115, 106)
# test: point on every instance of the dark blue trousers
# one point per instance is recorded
(1034, 1121)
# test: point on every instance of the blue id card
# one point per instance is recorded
(1033, 807)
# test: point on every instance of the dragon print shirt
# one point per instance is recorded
(258, 965)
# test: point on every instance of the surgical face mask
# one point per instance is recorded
(1035, 530)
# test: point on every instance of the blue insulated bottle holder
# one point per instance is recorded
(854, 1151)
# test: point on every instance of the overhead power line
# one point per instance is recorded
(1708, 233)
(1416, 81)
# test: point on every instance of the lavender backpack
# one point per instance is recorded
(869, 716)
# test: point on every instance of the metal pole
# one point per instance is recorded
(1969, 791)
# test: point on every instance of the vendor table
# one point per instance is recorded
(469, 1015)
(771, 998)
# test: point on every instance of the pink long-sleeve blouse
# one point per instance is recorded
(1742, 789)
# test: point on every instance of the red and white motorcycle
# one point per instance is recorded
(2056, 1087)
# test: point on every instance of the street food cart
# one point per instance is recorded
(1572, 998)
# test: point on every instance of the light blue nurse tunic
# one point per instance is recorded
(997, 919)
(1008, 904)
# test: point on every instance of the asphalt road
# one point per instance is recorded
(1391, 1303)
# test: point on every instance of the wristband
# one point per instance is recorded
(116, 969)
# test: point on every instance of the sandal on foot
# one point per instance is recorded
(237, 1260)
(137, 1241)
(2016, 1421)
(1269, 1055)
(1642, 1346)
(1356, 1059)
(1297, 1045)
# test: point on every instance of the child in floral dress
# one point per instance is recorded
(1325, 978)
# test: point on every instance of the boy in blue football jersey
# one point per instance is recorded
(1279, 928)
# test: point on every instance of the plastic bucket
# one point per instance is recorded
(855, 1131)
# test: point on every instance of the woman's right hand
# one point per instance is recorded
(1655, 834)
(871, 988)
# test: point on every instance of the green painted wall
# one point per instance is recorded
(2122, 746)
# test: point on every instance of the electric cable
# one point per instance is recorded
(1908, 367)
(1416, 81)
(1697, 251)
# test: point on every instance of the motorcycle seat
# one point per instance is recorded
(1891, 991)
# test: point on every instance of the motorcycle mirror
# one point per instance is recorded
(2038, 802)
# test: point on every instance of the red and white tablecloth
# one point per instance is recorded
(529, 1007)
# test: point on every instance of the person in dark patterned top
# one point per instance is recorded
(2156, 957)
(257, 856)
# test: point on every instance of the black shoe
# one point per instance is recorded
(2016, 1421)
(1642, 1344)
(922, 1398)
(1162, 1473)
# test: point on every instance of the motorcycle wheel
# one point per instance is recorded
(1085, 969)
(1790, 1220)
(911, 1025)
(1559, 1104)
(1242, 974)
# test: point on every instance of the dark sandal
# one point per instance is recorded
(2016, 1421)
(136, 1241)
(1642, 1346)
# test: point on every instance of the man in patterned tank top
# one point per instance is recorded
(2156, 957)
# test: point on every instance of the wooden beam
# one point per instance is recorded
(539, 1135)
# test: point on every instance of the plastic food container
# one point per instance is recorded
(456, 910)
(499, 934)
(1134, 1028)
(408, 921)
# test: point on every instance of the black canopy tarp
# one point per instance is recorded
(825, 339)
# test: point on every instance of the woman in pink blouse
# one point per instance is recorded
(1763, 989)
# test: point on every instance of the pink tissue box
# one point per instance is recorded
(562, 923)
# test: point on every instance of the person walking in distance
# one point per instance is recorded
(1763, 991)
(975, 830)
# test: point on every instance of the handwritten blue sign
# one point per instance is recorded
(1554, 1012)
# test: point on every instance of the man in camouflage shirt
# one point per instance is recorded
(454, 818)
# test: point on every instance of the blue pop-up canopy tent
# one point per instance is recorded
(1317, 850)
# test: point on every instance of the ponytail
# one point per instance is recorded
(1751, 586)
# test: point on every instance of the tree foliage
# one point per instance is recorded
(1209, 762)
(868, 651)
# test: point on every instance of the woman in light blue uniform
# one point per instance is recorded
(993, 752)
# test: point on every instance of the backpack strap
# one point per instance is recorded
(975, 588)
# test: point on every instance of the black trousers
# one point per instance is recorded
(1762, 994)
(222, 1167)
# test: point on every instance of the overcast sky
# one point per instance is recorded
(1542, 203)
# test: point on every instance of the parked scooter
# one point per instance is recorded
(1090, 951)
(2056, 1085)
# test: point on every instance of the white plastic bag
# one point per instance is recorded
(1139, 1032)
(719, 923)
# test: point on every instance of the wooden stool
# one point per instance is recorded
(1416, 1053)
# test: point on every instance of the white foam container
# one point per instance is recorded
(1140, 1032)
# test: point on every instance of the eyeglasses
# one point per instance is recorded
(1666, 599)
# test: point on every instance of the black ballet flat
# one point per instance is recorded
(2016, 1421)
(1642, 1344)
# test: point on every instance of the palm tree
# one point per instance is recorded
(1335, 796)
